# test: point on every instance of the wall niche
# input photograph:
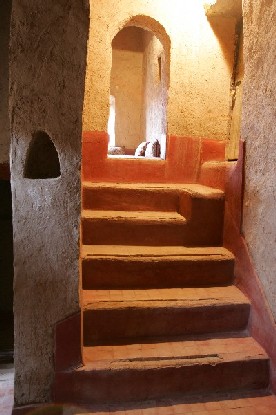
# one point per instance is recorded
(42, 160)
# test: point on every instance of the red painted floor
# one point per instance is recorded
(258, 405)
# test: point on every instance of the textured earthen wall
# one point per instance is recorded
(47, 64)
(126, 85)
(155, 89)
(201, 63)
(235, 128)
(259, 131)
(5, 12)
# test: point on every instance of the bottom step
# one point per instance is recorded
(249, 403)
(126, 373)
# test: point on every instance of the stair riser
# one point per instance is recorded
(106, 325)
(110, 273)
(106, 232)
(115, 386)
(130, 199)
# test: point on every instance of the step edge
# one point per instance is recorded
(214, 193)
(175, 364)
(158, 305)
(171, 218)
(87, 251)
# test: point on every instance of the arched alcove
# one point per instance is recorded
(42, 160)
(139, 85)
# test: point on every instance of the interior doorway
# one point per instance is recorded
(137, 124)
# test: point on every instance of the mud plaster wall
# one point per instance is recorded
(200, 68)
(235, 128)
(47, 64)
(5, 12)
(155, 89)
(126, 85)
(259, 131)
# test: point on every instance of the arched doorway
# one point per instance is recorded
(139, 80)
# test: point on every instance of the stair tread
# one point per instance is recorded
(134, 216)
(163, 298)
(160, 252)
(193, 189)
(185, 352)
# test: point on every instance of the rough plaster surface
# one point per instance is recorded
(259, 131)
(224, 8)
(201, 62)
(5, 12)
(47, 64)
(235, 128)
(126, 86)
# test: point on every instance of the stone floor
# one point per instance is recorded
(6, 388)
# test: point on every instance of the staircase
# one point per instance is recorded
(162, 318)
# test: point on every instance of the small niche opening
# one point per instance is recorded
(42, 159)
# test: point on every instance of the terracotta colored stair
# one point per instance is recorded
(161, 316)
(153, 215)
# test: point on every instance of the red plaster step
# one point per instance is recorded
(164, 370)
(202, 207)
(123, 266)
(126, 228)
(111, 315)
(143, 196)
(146, 228)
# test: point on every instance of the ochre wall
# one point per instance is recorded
(201, 63)
(126, 85)
(259, 132)
(235, 128)
(47, 63)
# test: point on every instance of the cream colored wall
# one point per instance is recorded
(259, 132)
(200, 70)
(155, 89)
(126, 86)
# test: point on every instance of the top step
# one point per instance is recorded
(143, 196)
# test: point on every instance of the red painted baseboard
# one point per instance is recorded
(68, 343)
(185, 157)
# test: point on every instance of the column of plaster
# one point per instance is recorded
(47, 70)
